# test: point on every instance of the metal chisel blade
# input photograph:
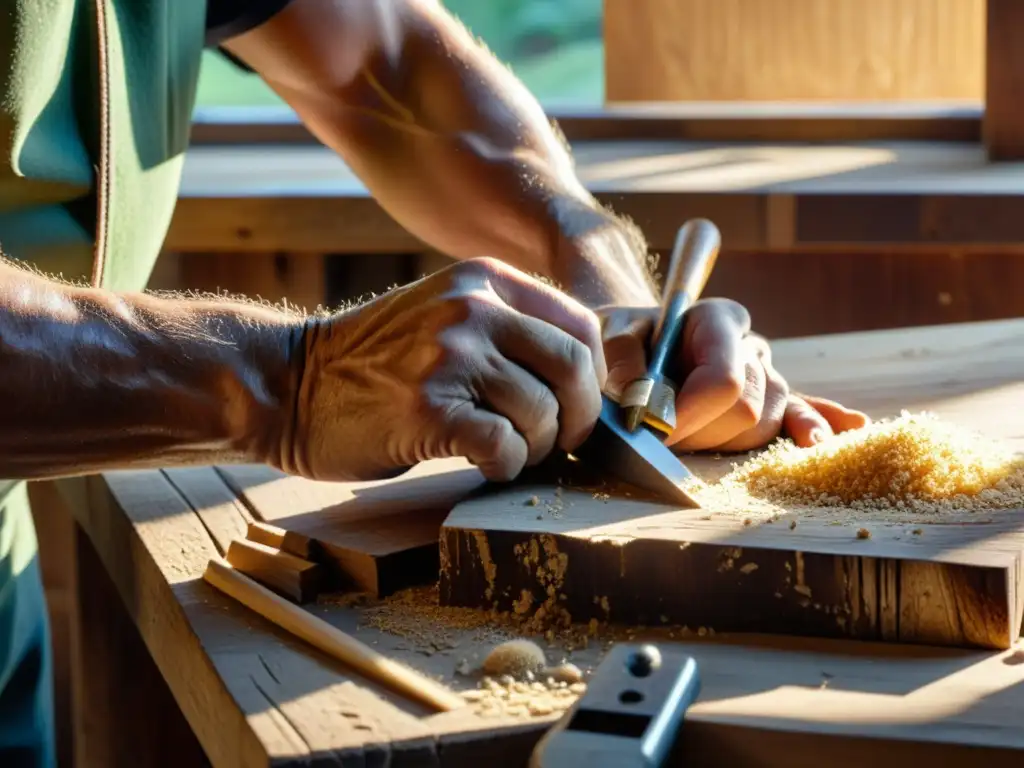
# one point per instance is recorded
(639, 458)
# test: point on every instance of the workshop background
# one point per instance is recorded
(844, 147)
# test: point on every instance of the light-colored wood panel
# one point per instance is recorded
(764, 50)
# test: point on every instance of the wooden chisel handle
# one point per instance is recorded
(693, 258)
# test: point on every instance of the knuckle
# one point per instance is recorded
(725, 308)
(455, 348)
(495, 436)
(579, 359)
(542, 410)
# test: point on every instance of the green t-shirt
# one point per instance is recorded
(57, 102)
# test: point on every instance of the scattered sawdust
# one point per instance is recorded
(915, 468)
(522, 700)
(416, 616)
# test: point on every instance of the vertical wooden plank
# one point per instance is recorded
(1003, 126)
(125, 714)
(767, 50)
(56, 534)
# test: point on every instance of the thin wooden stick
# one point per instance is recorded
(328, 638)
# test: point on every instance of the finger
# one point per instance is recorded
(743, 417)
(805, 424)
(625, 340)
(839, 417)
(562, 362)
(768, 426)
(488, 441)
(719, 376)
(510, 391)
(530, 296)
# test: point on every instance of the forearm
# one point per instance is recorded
(93, 380)
(447, 139)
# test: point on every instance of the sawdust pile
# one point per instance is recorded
(914, 463)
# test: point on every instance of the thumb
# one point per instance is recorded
(625, 334)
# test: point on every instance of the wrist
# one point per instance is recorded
(601, 259)
(220, 376)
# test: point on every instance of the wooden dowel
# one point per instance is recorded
(329, 639)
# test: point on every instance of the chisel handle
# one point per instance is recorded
(693, 258)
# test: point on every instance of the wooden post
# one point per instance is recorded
(1003, 126)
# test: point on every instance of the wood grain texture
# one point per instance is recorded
(638, 562)
(766, 50)
(377, 537)
(1003, 126)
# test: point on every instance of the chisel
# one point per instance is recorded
(651, 399)
(628, 440)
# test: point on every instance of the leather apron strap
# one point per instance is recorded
(103, 170)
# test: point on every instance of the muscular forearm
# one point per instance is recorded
(446, 138)
(93, 380)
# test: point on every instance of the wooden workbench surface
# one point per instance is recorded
(255, 696)
(779, 196)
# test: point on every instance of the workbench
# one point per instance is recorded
(253, 696)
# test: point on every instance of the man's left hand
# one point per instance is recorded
(731, 398)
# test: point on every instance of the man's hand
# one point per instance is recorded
(478, 360)
(731, 397)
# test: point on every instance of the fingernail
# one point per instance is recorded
(817, 436)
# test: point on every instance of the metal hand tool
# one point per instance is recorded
(652, 399)
(631, 715)
(628, 440)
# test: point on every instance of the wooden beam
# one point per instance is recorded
(868, 194)
(1004, 81)
(695, 121)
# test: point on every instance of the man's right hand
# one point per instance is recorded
(478, 360)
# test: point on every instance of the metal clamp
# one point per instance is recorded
(631, 714)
